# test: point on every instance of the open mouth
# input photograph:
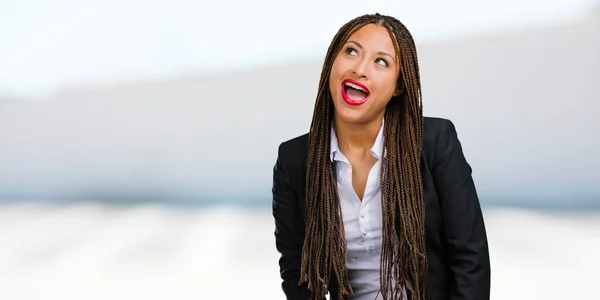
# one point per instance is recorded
(354, 92)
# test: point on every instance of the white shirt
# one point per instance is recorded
(362, 221)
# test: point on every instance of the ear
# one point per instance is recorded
(399, 90)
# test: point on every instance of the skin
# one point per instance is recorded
(370, 58)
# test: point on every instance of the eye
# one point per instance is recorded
(350, 50)
(382, 62)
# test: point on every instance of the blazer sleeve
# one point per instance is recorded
(289, 229)
(464, 230)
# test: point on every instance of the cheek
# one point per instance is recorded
(385, 90)
(332, 86)
(334, 79)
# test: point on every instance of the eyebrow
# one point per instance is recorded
(380, 52)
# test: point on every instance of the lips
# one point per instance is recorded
(354, 92)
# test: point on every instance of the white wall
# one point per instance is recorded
(524, 102)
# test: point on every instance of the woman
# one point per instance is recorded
(377, 201)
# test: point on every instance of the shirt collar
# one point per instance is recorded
(335, 152)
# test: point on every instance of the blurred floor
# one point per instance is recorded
(150, 252)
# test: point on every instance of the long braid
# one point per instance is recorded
(403, 261)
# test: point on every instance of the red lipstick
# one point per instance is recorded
(358, 88)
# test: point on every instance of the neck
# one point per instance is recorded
(356, 138)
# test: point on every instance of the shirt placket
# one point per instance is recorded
(365, 216)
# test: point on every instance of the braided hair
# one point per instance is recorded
(403, 257)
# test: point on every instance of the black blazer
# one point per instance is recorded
(457, 247)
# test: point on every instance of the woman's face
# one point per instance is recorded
(364, 75)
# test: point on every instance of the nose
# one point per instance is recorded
(361, 68)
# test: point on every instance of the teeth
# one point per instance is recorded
(354, 86)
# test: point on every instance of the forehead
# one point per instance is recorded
(374, 37)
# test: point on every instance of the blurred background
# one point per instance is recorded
(137, 138)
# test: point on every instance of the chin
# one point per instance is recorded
(350, 114)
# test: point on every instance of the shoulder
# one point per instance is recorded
(443, 152)
(293, 150)
(435, 130)
(433, 127)
(437, 133)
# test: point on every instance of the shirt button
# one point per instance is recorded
(365, 232)
(362, 215)
(371, 249)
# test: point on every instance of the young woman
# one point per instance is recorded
(377, 201)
